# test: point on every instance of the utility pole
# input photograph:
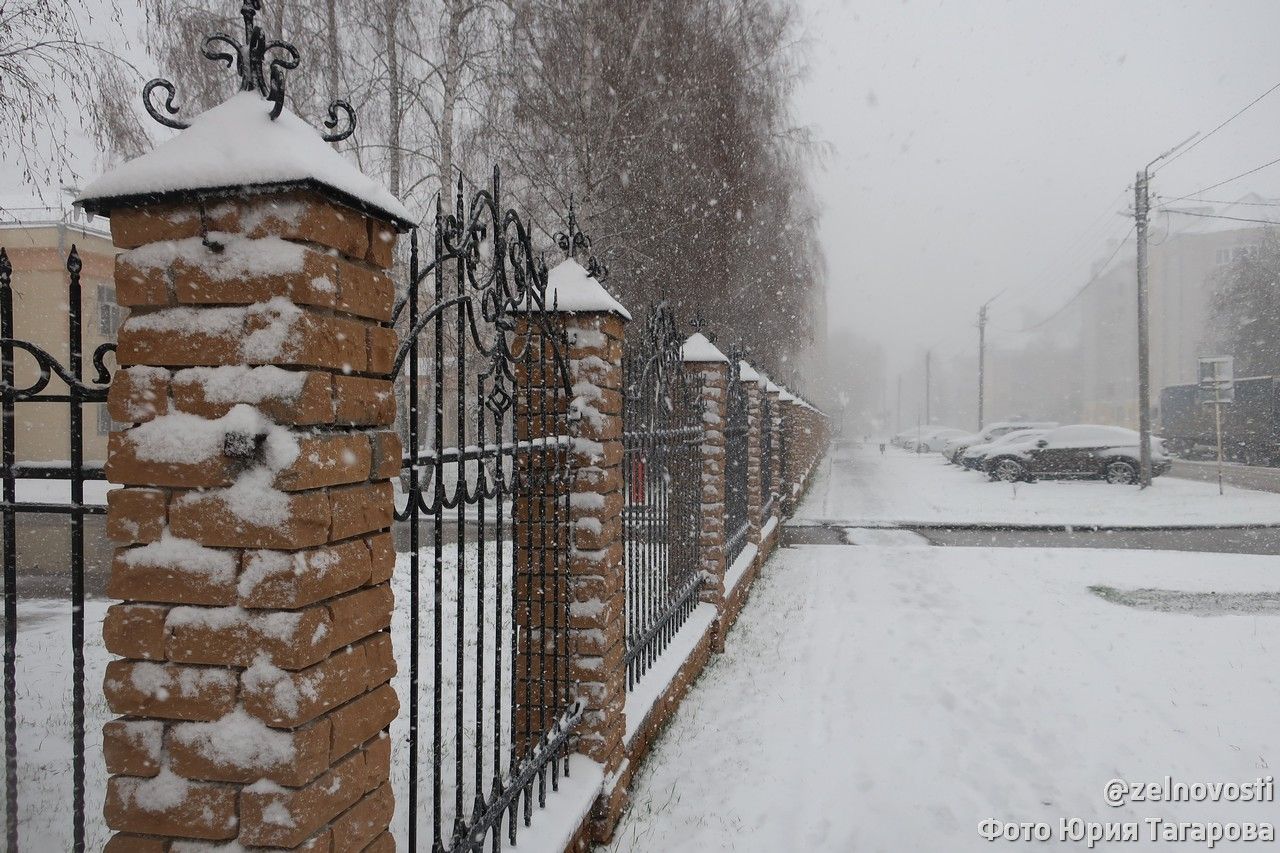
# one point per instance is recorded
(982, 360)
(898, 417)
(1141, 208)
(982, 355)
(927, 386)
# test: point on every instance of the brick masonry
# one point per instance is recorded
(713, 380)
(252, 632)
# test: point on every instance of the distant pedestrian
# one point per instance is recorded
(882, 448)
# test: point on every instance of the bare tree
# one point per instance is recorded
(53, 76)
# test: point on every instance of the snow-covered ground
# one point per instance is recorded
(44, 679)
(892, 698)
(857, 487)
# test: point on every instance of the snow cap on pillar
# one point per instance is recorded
(698, 349)
(236, 145)
(248, 142)
(573, 290)
(747, 373)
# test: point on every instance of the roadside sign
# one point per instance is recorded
(1217, 379)
(1217, 387)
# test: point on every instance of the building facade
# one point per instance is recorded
(1189, 246)
(37, 240)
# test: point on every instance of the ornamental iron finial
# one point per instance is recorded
(261, 65)
(572, 242)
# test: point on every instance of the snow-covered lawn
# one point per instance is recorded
(859, 487)
(44, 682)
(890, 699)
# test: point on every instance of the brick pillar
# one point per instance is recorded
(253, 631)
(594, 324)
(775, 457)
(708, 369)
(755, 482)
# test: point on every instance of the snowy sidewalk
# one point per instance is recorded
(858, 487)
(890, 699)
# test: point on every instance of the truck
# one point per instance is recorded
(1250, 424)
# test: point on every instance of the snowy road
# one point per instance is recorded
(859, 487)
(891, 698)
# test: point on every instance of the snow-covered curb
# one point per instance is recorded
(645, 695)
(882, 524)
(555, 826)
(739, 568)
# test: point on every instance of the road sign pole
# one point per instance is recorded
(1217, 416)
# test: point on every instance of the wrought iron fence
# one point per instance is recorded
(662, 478)
(34, 388)
(737, 426)
(488, 476)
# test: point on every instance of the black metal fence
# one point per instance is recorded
(662, 478)
(737, 426)
(488, 477)
(34, 389)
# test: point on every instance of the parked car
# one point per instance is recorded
(931, 439)
(956, 447)
(1079, 451)
(974, 457)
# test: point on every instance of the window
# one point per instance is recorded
(108, 311)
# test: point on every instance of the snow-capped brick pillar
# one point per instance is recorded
(594, 323)
(252, 634)
(776, 445)
(708, 369)
(755, 482)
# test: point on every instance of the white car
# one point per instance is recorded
(931, 439)
(956, 447)
(977, 454)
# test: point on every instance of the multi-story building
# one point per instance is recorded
(38, 238)
(1188, 246)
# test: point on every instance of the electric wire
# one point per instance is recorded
(1239, 113)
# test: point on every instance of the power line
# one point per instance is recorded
(1203, 190)
(1045, 276)
(1219, 201)
(1221, 216)
(1221, 126)
(1228, 203)
(1090, 283)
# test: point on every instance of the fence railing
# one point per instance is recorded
(662, 437)
(44, 700)
(491, 439)
(736, 449)
(493, 698)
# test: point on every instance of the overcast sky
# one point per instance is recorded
(977, 145)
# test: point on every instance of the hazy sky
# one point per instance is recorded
(977, 145)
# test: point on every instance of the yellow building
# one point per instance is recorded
(38, 241)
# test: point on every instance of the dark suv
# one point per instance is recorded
(1081, 451)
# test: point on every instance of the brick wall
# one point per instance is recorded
(252, 633)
